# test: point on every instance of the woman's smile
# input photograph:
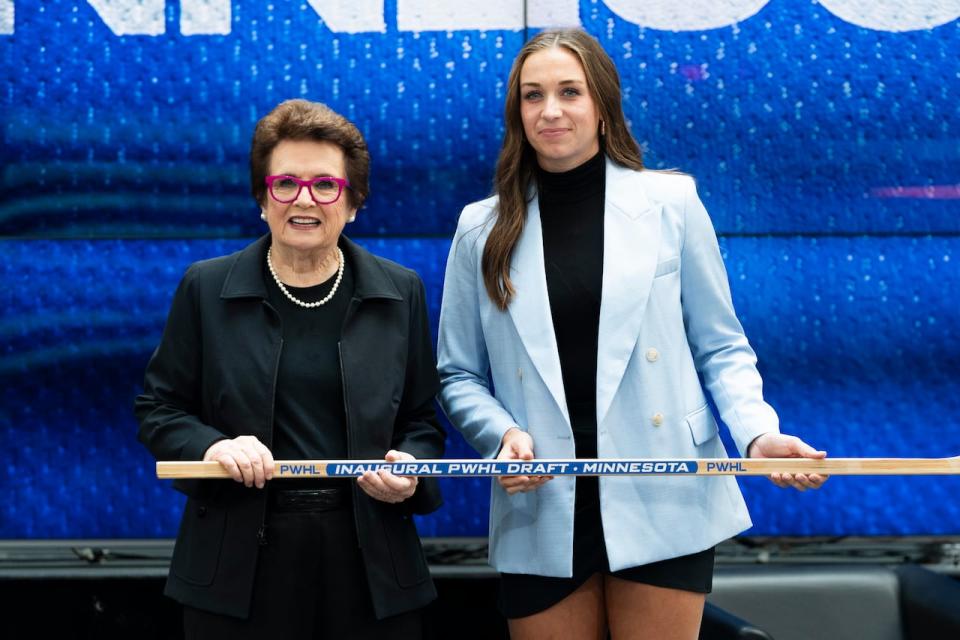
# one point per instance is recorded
(304, 223)
(553, 132)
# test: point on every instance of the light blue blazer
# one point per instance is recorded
(665, 315)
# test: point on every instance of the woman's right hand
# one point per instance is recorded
(245, 458)
(518, 445)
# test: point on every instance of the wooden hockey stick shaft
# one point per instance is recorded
(582, 467)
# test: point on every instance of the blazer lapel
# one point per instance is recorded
(631, 239)
(530, 307)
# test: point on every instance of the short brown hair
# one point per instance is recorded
(516, 166)
(305, 120)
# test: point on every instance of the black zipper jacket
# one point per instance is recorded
(213, 376)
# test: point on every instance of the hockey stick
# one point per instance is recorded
(583, 467)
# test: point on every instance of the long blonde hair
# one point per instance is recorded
(516, 166)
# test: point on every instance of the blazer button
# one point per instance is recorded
(657, 419)
(201, 511)
(652, 355)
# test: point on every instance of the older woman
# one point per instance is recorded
(300, 346)
(591, 291)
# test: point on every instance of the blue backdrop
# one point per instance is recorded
(825, 144)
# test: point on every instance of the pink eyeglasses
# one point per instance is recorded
(323, 190)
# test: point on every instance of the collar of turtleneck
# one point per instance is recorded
(577, 184)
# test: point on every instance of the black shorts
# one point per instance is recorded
(523, 595)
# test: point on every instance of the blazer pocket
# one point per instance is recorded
(702, 425)
(667, 267)
(196, 555)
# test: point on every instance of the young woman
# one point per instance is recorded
(591, 292)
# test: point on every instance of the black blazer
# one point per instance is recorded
(213, 376)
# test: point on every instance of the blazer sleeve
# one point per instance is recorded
(169, 406)
(722, 354)
(462, 357)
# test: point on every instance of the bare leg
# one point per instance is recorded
(638, 611)
(579, 615)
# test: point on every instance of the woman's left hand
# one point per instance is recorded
(778, 445)
(385, 486)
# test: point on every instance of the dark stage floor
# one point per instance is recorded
(791, 588)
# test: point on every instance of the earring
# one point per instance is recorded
(263, 216)
(352, 217)
(603, 128)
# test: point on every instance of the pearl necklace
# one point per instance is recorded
(297, 301)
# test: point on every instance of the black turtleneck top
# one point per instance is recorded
(571, 214)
